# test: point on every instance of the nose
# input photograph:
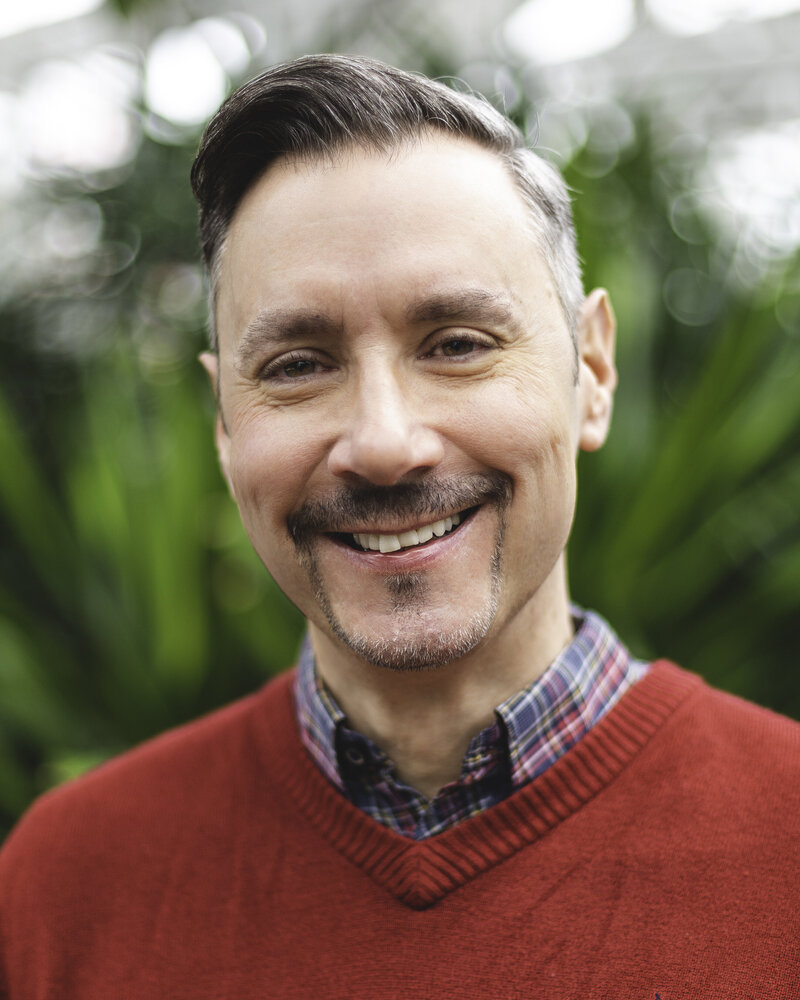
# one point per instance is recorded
(383, 438)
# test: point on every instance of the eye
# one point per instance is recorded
(457, 348)
(291, 368)
(295, 369)
(466, 346)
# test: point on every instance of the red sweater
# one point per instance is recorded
(658, 859)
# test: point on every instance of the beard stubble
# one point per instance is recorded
(414, 644)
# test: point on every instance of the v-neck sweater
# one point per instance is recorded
(657, 858)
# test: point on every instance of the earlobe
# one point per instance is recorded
(598, 377)
(210, 362)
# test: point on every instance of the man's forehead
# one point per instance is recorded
(445, 230)
(447, 186)
(439, 150)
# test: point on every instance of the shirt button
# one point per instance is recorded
(354, 756)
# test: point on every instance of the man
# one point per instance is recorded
(468, 788)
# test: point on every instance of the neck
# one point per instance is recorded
(424, 720)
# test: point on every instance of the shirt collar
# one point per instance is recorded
(318, 715)
(536, 725)
(553, 713)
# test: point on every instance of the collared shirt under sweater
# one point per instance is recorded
(531, 731)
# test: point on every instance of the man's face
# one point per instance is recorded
(400, 409)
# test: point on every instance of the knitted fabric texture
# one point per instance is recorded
(658, 858)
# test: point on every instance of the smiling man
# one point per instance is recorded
(402, 394)
(468, 788)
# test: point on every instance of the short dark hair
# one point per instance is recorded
(318, 106)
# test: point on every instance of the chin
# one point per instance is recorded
(414, 653)
(413, 640)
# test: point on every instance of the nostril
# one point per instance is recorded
(384, 456)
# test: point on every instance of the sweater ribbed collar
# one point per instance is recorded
(420, 873)
(532, 729)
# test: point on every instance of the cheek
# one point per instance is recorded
(545, 491)
(525, 429)
(267, 471)
(528, 434)
(267, 475)
(540, 519)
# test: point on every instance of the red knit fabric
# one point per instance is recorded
(658, 859)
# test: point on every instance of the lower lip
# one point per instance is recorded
(407, 560)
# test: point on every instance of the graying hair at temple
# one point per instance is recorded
(318, 106)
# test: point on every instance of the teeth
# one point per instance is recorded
(407, 539)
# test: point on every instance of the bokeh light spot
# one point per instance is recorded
(554, 31)
(184, 78)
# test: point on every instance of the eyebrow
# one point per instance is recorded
(281, 328)
(474, 305)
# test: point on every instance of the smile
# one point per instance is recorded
(385, 542)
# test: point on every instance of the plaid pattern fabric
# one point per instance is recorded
(532, 729)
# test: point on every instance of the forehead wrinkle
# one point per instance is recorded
(279, 328)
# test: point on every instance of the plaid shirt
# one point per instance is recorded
(532, 729)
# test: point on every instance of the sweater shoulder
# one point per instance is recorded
(188, 774)
(735, 757)
(755, 733)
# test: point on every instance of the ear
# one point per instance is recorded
(210, 362)
(597, 330)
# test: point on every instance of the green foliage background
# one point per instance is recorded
(130, 600)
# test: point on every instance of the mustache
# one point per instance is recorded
(427, 499)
